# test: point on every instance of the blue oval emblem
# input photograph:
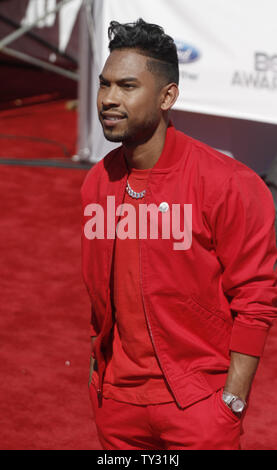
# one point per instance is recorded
(186, 52)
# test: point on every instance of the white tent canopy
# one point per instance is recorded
(228, 72)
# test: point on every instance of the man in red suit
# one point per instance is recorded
(180, 311)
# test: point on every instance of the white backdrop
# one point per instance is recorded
(228, 68)
(228, 53)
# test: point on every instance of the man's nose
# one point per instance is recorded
(110, 97)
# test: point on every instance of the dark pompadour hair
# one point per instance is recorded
(151, 41)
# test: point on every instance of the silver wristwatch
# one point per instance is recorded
(236, 404)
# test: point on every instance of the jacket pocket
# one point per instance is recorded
(211, 309)
(209, 327)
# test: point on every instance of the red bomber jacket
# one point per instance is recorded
(217, 295)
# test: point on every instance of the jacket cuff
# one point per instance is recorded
(247, 339)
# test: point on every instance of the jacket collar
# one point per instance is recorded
(169, 157)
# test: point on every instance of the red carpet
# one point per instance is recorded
(44, 317)
(261, 420)
(44, 401)
(43, 130)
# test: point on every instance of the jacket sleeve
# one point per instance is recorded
(243, 219)
(93, 327)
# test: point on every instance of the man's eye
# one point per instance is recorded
(128, 85)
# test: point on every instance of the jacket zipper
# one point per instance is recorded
(155, 350)
(147, 320)
(101, 377)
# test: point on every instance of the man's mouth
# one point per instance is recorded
(111, 119)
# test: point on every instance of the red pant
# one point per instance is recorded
(206, 425)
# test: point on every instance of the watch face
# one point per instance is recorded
(238, 406)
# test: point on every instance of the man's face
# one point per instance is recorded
(129, 98)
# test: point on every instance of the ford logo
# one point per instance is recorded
(186, 53)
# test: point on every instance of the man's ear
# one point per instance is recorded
(169, 96)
